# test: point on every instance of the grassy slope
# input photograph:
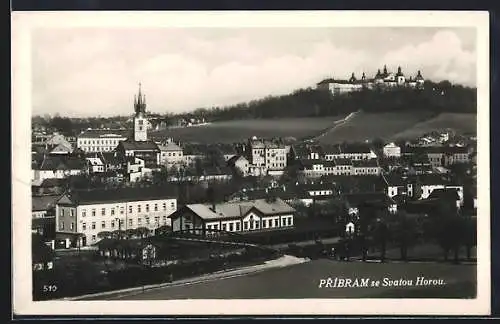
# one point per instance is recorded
(241, 130)
(466, 123)
(301, 281)
(365, 126)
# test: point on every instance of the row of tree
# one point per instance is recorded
(434, 97)
(445, 227)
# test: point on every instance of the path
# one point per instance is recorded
(335, 125)
(284, 261)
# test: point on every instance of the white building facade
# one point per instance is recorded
(90, 214)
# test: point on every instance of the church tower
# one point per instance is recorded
(140, 121)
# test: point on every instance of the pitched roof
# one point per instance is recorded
(237, 209)
(170, 147)
(105, 133)
(232, 161)
(448, 194)
(368, 163)
(372, 197)
(40, 203)
(53, 182)
(97, 196)
(130, 145)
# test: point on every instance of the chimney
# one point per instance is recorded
(213, 206)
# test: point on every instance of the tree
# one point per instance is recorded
(142, 232)
(104, 234)
(404, 233)
(447, 229)
(470, 235)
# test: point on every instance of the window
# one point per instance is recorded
(147, 220)
(61, 226)
(72, 226)
(276, 223)
(216, 226)
(209, 227)
(139, 221)
(93, 225)
(138, 208)
(157, 220)
(103, 211)
(84, 213)
(164, 206)
(103, 224)
(156, 207)
(164, 219)
(112, 224)
(147, 208)
(72, 212)
(257, 225)
(62, 213)
(130, 222)
(238, 226)
(112, 211)
(172, 205)
(245, 226)
(84, 227)
(264, 223)
(130, 209)
(93, 212)
(122, 210)
(284, 221)
(93, 237)
(290, 221)
(223, 227)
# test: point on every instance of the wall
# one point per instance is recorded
(129, 214)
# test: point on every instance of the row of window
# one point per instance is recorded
(172, 154)
(100, 142)
(321, 192)
(122, 209)
(250, 225)
(347, 156)
(121, 223)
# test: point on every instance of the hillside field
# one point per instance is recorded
(392, 126)
(240, 130)
(367, 126)
(362, 126)
(464, 123)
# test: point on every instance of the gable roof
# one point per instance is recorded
(130, 145)
(105, 133)
(100, 196)
(170, 147)
(238, 209)
(41, 203)
(368, 198)
(448, 194)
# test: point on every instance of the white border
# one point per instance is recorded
(25, 22)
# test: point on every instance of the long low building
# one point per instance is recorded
(89, 212)
(244, 216)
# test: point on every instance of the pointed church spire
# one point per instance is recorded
(385, 69)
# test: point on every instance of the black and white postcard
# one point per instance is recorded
(251, 163)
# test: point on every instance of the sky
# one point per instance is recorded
(82, 72)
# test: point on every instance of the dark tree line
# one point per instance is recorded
(434, 97)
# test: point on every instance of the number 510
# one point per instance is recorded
(49, 288)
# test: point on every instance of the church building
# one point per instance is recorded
(138, 145)
(382, 80)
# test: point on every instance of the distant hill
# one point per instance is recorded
(435, 97)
